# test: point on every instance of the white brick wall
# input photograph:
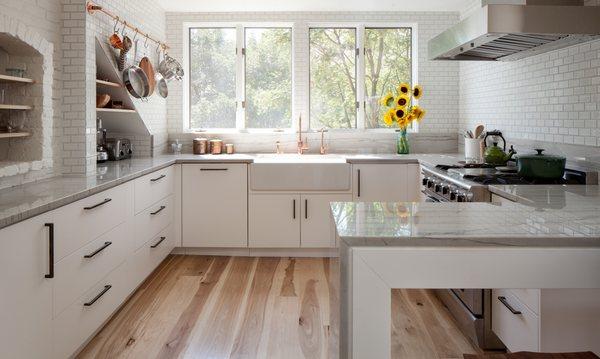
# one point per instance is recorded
(552, 97)
(439, 79)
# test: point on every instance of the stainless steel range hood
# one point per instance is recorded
(522, 28)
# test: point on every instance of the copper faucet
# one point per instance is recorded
(302, 145)
(323, 149)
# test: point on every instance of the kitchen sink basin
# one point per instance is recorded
(292, 172)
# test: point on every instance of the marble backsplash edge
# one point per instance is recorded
(338, 142)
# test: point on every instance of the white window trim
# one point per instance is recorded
(240, 73)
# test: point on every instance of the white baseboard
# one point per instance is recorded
(259, 252)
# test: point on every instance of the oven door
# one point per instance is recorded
(430, 197)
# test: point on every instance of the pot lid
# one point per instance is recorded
(541, 155)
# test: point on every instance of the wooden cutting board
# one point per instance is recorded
(147, 67)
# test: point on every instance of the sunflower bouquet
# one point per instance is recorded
(400, 109)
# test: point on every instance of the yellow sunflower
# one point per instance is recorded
(387, 99)
(399, 113)
(404, 89)
(418, 113)
(401, 101)
(417, 92)
(388, 117)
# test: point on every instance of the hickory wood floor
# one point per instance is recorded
(242, 307)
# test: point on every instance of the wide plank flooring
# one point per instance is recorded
(243, 307)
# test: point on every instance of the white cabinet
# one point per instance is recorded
(317, 230)
(292, 220)
(215, 205)
(274, 221)
(385, 182)
(26, 299)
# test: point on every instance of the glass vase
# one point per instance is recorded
(402, 144)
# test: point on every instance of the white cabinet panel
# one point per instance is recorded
(274, 221)
(317, 229)
(152, 220)
(215, 205)
(385, 182)
(519, 332)
(78, 223)
(153, 187)
(413, 183)
(26, 298)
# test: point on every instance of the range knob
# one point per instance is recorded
(461, 198)
(430, 183)
(453, 195)
(424, 181)
(445, 189)
(438, 187)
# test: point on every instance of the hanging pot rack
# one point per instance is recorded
(93, 7)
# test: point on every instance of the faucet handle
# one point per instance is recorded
(278, 147)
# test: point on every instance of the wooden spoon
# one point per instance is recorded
(478, 130)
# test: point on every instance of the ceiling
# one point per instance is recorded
(312, 5)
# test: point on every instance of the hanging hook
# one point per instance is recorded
(158, 48)
(146, 42)
(115, 28)
(123, 29)
(136, 34)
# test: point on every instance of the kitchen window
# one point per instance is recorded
(352, 68)
(240, 77)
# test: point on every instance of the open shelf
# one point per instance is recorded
(14, 134)
(15, 107)
(108, 83)
(14, 79)
(116, 110)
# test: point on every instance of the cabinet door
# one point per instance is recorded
(26, 299)
(380, 182)
(274, 221)
(215, 205)
(413, 183)
(317, 229)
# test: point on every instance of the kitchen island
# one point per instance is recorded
(523, 244)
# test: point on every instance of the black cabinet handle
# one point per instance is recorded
(50, 250)
(91, 302)
(158, 210)
(508, 306)
(214, 169)
(98, 205)
(305, 209)
(159, 242)
(106, 244)
(358, 183)
(158, 178)
(294, 209)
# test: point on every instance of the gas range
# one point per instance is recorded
(469, 183)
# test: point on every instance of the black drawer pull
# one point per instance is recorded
(158, 178)
(98, 205)
(214, 169)
(358, 184)
(158, 210)
(159, 242)
(508, 306)
(50, 250)
(305, 209)
(294, 209)
(91, 302)
(106, 244)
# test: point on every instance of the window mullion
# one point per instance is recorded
(240, 116)
(360, 77)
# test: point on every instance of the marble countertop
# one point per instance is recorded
(540, 216)
(31, 199)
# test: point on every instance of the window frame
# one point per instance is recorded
(240, 74)
(360, 68)
(296, 110)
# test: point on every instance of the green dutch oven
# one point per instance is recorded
(541, 166)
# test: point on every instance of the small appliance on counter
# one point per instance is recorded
(118, 149)
(101, 153)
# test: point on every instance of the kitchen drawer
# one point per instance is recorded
(74, 326)
(150, 254)
(519, 332)
(529, 297)
(152, 220)
(153, 187)
(78, 223)
(75, 274)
